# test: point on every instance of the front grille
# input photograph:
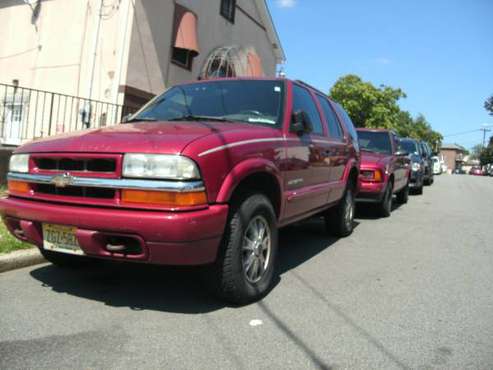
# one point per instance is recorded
(75, 191)
(76, 164)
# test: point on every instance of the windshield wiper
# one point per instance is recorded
(145, 119)
(192, 117)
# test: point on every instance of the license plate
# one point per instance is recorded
(60, 238)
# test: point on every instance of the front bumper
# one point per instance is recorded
(371, 192)
(167, 238)
(416, 179)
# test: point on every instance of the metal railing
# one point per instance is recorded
(27, 114)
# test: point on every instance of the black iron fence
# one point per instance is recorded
(27, 114)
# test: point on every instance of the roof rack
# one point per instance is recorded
(310, 86)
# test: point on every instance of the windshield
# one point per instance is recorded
(409, 146)
(378, 142)
(251, 101)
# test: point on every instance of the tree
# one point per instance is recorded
(488, 105)
(476, 151)
(486, 155)
(367, 105)
(370, 106)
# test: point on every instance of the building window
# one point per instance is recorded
(182, 57)
(228, 8)
(185, 44)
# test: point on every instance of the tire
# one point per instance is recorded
(419, 191)
(339, 221)
(385, 206)
(65, 260)
(403, 195)
(233, 277)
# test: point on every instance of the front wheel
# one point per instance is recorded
(245, 266)
(385, 206)
(339, 221)
(403, 195)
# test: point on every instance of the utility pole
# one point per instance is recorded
(485, 130)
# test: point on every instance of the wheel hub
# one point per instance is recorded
(256, 249)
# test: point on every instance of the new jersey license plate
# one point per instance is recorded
(59, 238)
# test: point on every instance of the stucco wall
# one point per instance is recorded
(55, 51)
(149, 66)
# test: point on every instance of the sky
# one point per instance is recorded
(440, 52)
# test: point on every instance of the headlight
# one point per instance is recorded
(160, 166)
(19, 163)
(416, 166)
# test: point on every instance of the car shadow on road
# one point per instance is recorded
(368, 211)
(172, 289)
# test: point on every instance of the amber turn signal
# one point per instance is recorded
(164, 198)
(18, 187)
(371, 175)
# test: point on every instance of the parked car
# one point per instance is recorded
(204, 174)
(416, 179)
(437, 166)
(384, 169)
(476, 171)
(459, 171)
(426, 154)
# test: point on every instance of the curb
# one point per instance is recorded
(21, 258)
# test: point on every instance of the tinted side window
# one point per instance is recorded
(335, 130)
(396, 141)
(302, 100)
(349, 125)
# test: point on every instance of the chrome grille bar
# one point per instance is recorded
(136, 184)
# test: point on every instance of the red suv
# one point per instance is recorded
(385, 169)
(204, 174)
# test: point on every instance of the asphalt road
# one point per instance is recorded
(413, 291)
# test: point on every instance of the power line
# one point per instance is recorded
(464, 132)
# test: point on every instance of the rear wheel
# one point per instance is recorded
(403, 195)
(385, 206)
(245, 267)
(419, 190)
(339, 221)
(65, 260)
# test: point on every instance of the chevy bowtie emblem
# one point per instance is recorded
(61, 181)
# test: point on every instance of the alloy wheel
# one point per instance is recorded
(256, 249)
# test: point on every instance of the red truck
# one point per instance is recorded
(384, 171)
(203, 174)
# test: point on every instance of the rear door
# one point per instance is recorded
(337, 152)
(306, 178)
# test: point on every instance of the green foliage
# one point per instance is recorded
(488, 105)
(377, 107)
(367, 105)
(486, 155)
(476, 151)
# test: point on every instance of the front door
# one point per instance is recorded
(306, 176)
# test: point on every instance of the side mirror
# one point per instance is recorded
(301, 123)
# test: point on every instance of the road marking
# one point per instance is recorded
(256, 322)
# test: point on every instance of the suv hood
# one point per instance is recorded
(148, 137)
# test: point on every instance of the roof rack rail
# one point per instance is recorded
(310, 86)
